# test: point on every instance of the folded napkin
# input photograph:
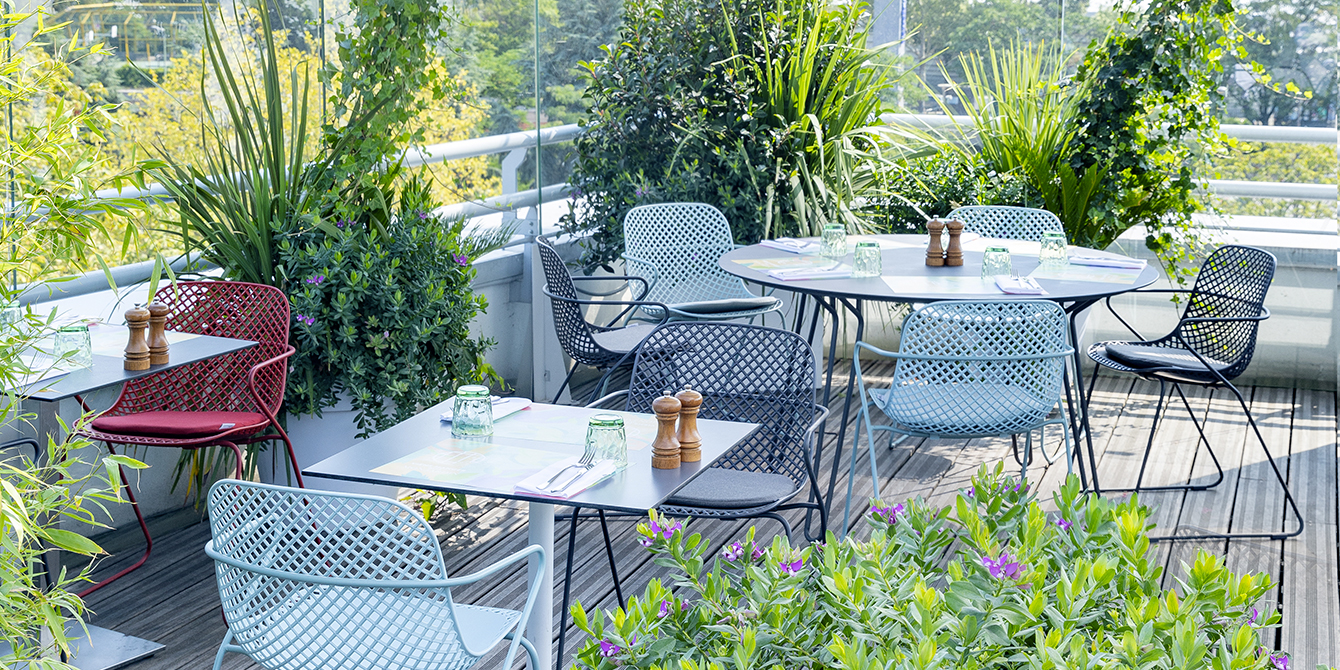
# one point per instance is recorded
(501, 407)
(531, 485)
(792, 245)
(1019, 285)
(835, 271)
(1109, 262)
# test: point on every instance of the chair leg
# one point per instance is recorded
(1200, 430)
(1149, 447)
(292, 456)
(562, 387)
(609, 553)
(144, 528)
(786, 527)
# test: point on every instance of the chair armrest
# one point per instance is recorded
(823, 413)
(627, 279)
(1113, 310)
(600, 403)
(629, 305)
(251, 383)
(655, 271)
(1226, 319)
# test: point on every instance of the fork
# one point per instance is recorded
(588, 457)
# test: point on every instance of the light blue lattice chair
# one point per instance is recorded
(1007, 223)
(970, 369)
(338, 581)
(675, 246)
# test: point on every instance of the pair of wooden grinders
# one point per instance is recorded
(936, 256)
(143, 351)
(671, 447)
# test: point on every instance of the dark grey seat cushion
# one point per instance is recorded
(719, 488)
(624, 340)
(726, 306)
(1143, 357)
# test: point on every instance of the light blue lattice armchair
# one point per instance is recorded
(970, 369)
(1007, 223)
(335, 581)
(675, 246)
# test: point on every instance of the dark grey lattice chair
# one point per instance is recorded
(1007, 223)
(1211, 345)
(602, 347)
(676, 246)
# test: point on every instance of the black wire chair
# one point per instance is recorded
(602, 347)
(1212, 344)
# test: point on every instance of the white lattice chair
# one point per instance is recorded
(1007, 223)
(675, 246)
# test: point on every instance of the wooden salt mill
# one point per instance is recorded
(137, 350)
(665, 448)
(954, 254)
(935, 255)
(690, 442)
(158, 343)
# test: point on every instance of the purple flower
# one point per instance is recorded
(757, 554)
(793, 567)
(1255, 613)
(684, 606)
(461, 259)
(1003, 567)
(317, 279)
(888, 514)
(668, 531)
(647, 541)
(609, 649)
(305, 320)
(1065, 525)
(423, 215)
(1280, 661)
(638, 192)
(733, 552)
(665, 610)
(972, 492)
(341, 223)
(1020, 484)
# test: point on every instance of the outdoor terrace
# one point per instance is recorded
(174, 599)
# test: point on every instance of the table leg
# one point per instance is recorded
(540, 628)
(857, 310)
(1083, 403)
(48, 430)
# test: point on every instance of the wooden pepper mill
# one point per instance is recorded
(158, 343)
(665, 448)
(137, 350)
(935, 255)
(690, 442)
(954, 254)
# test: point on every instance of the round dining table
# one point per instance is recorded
(905, 278)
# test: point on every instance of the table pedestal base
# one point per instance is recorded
(540, 628)
(102, 649)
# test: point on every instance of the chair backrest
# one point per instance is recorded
(1232, 283)
(1007, 223)
(574, 333)
(285, 623)
(745, 373)
(238, 310)
(980, 368)
(681, 243)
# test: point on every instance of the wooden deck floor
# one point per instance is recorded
(173, 600)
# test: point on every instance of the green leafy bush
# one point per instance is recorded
(990, 582)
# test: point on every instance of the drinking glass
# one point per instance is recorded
(605, 438)
(10, 315)
(73, 344)
(472, 413)
(869, 261)
(995, 262)
(1052, 253)
(834, 242)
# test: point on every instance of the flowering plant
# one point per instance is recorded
(992, 581)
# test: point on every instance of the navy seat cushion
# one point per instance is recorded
(624, 340)
(1143, 357)
(726, 306)
(719, 488)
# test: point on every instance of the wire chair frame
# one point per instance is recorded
(343, 581)
(746, 373)
(676, 247)
(1216, 335)
(248, 380)
(970, 369)
(575, 334)
(1007, 223)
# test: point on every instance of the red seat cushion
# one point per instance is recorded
(178, 424)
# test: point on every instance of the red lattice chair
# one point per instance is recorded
(226, 401)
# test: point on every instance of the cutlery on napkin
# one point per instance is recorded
(1109, 262)
(834, 271)
(501, 407)
(1019, 285)
(565, 490)
(792, 245)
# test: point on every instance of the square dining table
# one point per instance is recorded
(421, 453)
(103, 649)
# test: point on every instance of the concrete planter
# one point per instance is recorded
(316, 438)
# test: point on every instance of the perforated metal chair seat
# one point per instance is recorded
(721, 488)
(941, 409)
(1007, 223)
(623, 340)
(676, 246)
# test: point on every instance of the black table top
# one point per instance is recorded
(910, 260)
(110, 370)
(637, 489)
